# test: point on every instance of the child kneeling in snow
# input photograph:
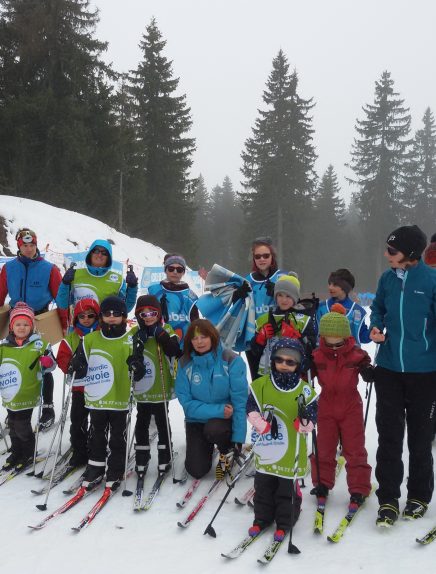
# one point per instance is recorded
(24, 358)
(281, 453)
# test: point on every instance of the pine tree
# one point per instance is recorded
(278, 162)
(380, 161)
(58, 133)
(201, 224)
(165, 210)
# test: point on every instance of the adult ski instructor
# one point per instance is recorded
(35, 281)
(403, 322)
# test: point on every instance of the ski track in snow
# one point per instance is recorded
(120, 539)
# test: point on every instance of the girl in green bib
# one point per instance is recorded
(281, 452)
(24, 359)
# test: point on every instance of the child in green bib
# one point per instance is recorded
(281, 451)
(158, 343)
(24, 358)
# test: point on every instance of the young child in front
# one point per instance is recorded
(158, 343)
(102, 360)
(340, 283)
(287, 319)
(85, 320)
(24, 359)
(281, 453)
(337, 363)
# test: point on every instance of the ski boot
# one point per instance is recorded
(47, 418)
(387, 514)
(356, 501)
(93, 476)
(414, 509)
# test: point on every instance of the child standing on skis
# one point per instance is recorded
(102, 357)
(281, 453)
(85, 320)
(24, 359)
(287, 319)
(157, 343)
(337, 363)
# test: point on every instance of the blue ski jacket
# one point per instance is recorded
(262, 300)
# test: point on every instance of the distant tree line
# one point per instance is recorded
(77, 134)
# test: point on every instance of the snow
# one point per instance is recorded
(120, 540)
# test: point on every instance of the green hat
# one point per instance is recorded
(334, 324)
(288, 284)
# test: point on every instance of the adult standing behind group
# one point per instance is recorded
(33, 280)
(176, 298)
(97, 280)
(403, 322)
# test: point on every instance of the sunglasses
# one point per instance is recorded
(173, 269)
(148, 314)
(288, 362)
(99, 251)
(262, 255)
(334, 345)
(112, 314)
(82, 316)
(392, 250)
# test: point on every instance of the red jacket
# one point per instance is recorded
(338, 369)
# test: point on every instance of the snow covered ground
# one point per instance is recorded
(120, 540)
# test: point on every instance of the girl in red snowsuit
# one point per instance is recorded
(337, 364)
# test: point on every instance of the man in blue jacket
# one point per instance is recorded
(403, 322)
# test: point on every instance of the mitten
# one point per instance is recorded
(68, 278)
(131, 279)
(367, 374)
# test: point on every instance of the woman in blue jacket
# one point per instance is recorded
(212, 388)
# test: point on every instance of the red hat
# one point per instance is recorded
(25, 236)
(21, 311)
(83, 305)
(430, 254)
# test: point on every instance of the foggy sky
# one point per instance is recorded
(223, 51)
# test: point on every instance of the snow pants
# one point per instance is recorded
(273, 501)
(21, 433)
(200, 441)
(103, 424)
(342, 420)
(79, 427)
(404, 399)
(143, 418)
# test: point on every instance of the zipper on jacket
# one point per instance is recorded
(402, 321)
(423, 334)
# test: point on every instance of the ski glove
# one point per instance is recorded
(68, 278)
(136, 366)
(289, 331)
(131, 279)
(367, 374)
(265, 333)
(241, 292)
(303, 426)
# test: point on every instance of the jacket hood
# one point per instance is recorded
(99, 243)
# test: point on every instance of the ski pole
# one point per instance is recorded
(128, 445)
(314, 436)
(292, 549)
(72, 265)
(32, 472)
(167, 420)
(62, 421)
(370, 390)
(3, 433)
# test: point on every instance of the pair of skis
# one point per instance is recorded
(270, 551)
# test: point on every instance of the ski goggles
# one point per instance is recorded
(25, 236)
(148, 314)
(173, 269)
(391, 250)
(288, 362)
(100, 251)
(262, 256)
(82, 316)
(112, 313)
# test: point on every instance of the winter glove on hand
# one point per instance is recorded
(303, 426)
(136, 366)
(260, 425)
(367, 374)
(68, 278)
(269, 288)
(131, 279)
(289, 331)
(46, 362)
(241, 292)
(267, 332)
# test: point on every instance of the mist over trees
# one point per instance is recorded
(117, 145)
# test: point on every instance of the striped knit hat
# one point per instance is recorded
(288, 284)
(21, 311)
(335, 323)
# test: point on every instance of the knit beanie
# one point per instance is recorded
(25, 236)
(430, 252)
(21, 311)
(113, 303)
(335, 323)
(175, 260)
(288, 284)
(343, 278)
(409, 239)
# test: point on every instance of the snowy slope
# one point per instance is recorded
(121, 541)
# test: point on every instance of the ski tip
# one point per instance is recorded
(210, 530)
(330, 539)
(181, 524)
(75, 529)
(41, 506)
(33, 527)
